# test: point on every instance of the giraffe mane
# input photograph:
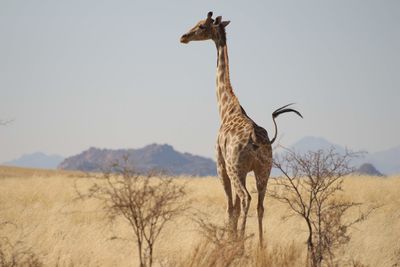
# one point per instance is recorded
(222, 33)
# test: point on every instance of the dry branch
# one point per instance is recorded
(308, 186)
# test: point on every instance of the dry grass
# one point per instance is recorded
(65, 231)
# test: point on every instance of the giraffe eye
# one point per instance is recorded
(202, 27)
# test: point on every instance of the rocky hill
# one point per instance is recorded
(368, 169)
(151, 157)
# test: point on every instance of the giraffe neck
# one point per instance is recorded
(228, 104)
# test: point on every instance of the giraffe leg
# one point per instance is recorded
(261, 180)
(226, 182)
(239, 182)
(236, 215)
(245, 206)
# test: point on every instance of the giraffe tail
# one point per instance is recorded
(280, 111)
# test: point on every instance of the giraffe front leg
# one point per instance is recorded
(242, 200)
(245, 206)
(226, 183)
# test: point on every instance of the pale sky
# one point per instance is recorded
(112, 74)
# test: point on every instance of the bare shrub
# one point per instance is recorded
(289, 256)
(396, 257)
(207, 254)
(15, 253)
(219, 248)
(309, 187)
(145, 202)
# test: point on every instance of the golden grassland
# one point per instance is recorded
(64, 230)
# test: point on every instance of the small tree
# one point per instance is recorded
(309, 187)
(146, 202)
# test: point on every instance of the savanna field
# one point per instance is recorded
(44, 213)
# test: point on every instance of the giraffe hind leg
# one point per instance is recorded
(261, 181)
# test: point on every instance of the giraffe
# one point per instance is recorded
(242, 146)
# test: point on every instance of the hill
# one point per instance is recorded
(151, 157)
(368, 169)
(36, 160)
(311, 143)
(387, 161)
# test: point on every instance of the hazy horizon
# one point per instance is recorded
(185, 151)
(139, 147)
(76, 74)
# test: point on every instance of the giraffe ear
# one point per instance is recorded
(209, 19)
(225, 23)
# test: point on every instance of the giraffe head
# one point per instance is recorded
(207, 29)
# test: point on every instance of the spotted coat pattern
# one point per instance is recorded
(242, 146)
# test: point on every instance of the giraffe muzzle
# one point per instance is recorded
(184, 39)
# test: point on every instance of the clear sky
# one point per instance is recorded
(112, 74)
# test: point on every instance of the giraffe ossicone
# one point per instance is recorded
(242, 146)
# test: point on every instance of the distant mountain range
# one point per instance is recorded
(36, 160)
(166, 158)
(311, 143)
(152, 157)
(386, 162)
